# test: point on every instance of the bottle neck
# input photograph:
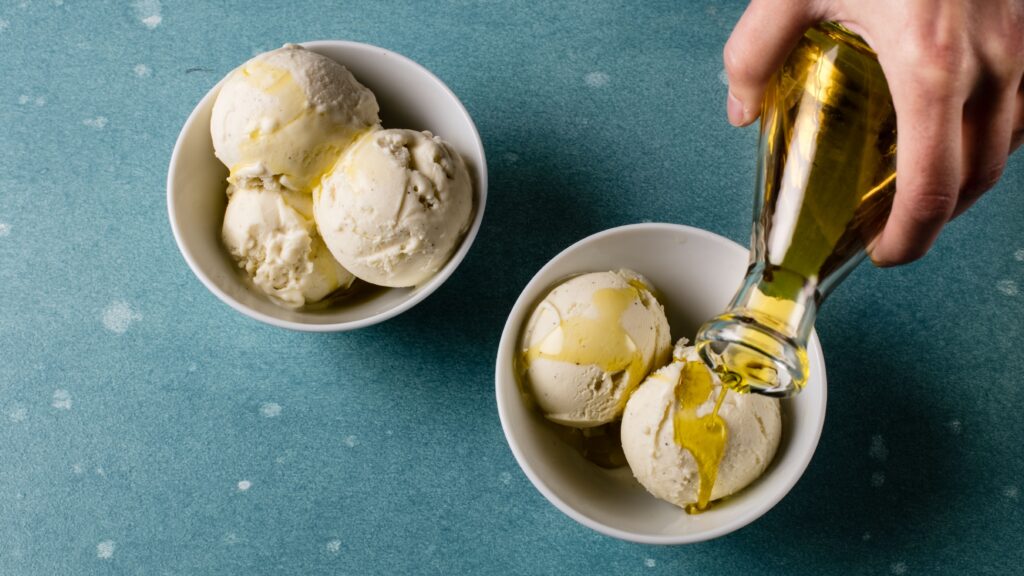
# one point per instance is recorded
(779, 299)
(759, 344)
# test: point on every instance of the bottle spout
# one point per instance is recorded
(748, 356)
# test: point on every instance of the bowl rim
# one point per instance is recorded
(507, 343)
(419, 293)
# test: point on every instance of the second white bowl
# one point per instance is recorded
(696, 273)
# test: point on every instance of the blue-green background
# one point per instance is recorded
(133, 402)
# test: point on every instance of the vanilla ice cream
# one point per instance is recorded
(272, 236)
(395, 206)
(284, 117)
(590, 343)
(684, 394)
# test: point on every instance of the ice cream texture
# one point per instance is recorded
(590, 343)
(283, 118)
(271, 234)
(683, 450)
(395, 206)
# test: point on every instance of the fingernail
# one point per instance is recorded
(870, 249)
(734, 108)
(879, 262)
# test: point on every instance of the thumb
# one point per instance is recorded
(760, 43)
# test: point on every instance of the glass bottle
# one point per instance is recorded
(825, 181)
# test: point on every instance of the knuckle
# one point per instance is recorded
(1009, 49)
(931, 207)
(735, 62)
(934, 62)
(1011, 39)
(984, 179)
(1004, 57)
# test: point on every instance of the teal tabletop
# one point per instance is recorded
(147, 428)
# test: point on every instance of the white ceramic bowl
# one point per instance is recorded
(696, 273)
(409, 97)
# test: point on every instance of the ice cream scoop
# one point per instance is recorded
(272, 236)
(589, 343)
(676, 448)
(284, 117)
(395, 206)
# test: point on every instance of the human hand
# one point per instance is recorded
(955, 70)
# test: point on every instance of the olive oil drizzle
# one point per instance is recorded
(703, 436)
(600, 340)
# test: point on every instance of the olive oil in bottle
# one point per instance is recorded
(826, 178)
